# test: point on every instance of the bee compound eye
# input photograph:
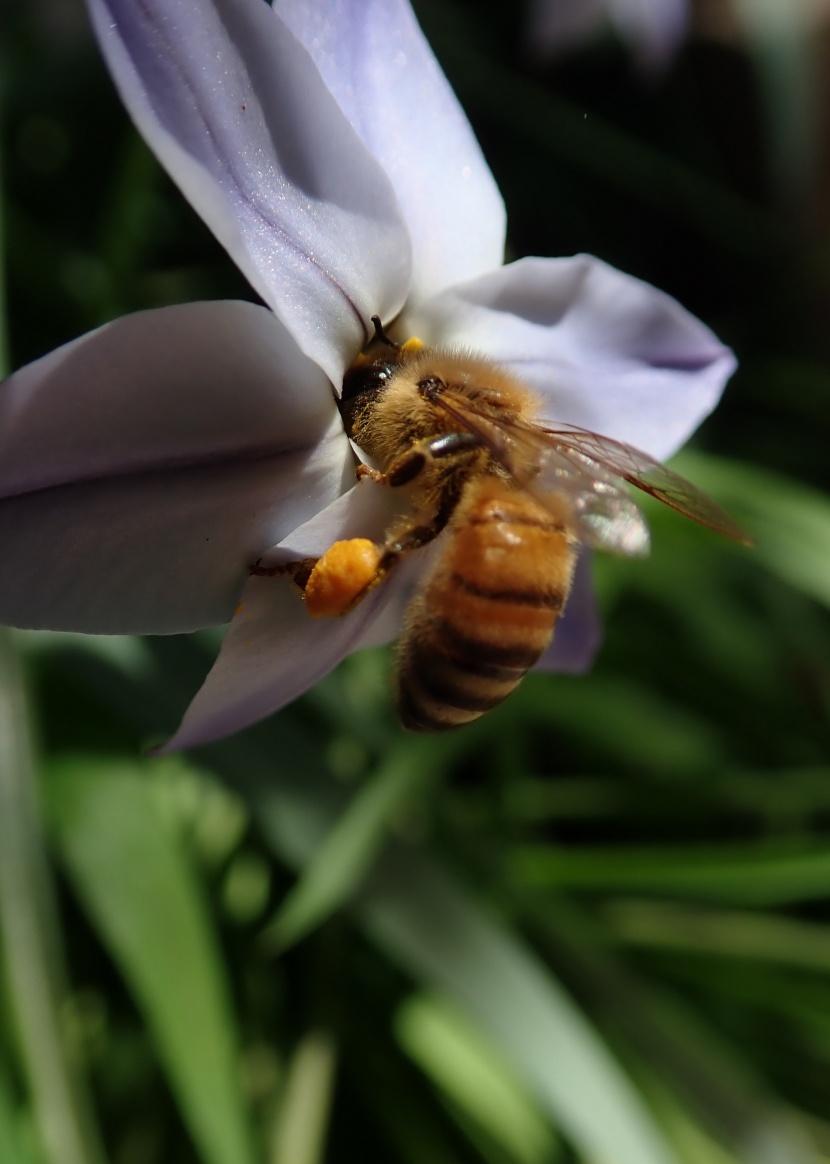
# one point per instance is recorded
(365, 377)
(431, 386)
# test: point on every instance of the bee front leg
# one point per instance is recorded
(298, 571)
(422, 453)
(337, 582)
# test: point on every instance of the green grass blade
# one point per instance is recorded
(754, 873)
(790, 521)
(475, 1077)
(347, 853)
(132, 875)
(428, 924)
(300, 1131)
(12, 1147)
(761, 937)
(32, 949)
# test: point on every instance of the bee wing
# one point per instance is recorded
(642, 471)
(591, 471)
(603, 514)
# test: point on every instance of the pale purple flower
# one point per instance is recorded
(653, 29)
(147, 465)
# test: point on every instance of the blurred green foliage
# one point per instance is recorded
(592, 927)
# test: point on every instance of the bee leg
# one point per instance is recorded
(407, 540)
(298, 572)
(258, 571)
(350, 570)
(411, 463)
(341, 578)
(365, 471)
(337, 582)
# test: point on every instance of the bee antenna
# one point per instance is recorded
(381, 335)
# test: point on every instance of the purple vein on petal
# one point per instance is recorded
(216, 460)
(680, 364)
(224, 160)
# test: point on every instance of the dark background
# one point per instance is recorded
(602, 912)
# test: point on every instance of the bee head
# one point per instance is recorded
(371, 372)
(363, 383)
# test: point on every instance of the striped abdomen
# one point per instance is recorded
(488, 609)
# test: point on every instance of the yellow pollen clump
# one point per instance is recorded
(338, 578)
(413, 344)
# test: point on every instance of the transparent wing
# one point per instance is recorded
(591, 471)
(638, 469)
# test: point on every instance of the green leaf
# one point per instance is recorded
(131, 872)
(638, 725)
(345, 856)
(427, 923)
(761, 937)
(430, 925)
(301, 1126)
(790, 521)
(693, 1143)
(679, 1057)
(12, 1150)
(32, 949)
(475, 1077)
(755, 873)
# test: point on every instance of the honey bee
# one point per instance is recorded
(511, 500)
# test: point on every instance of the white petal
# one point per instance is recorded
(273, 650)
(146, 466)
(377, 63)
(365, 511)
(604, 350)
(235, 109)
(156, 552)
(176, 386)
(579, 631)
(272, 653)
